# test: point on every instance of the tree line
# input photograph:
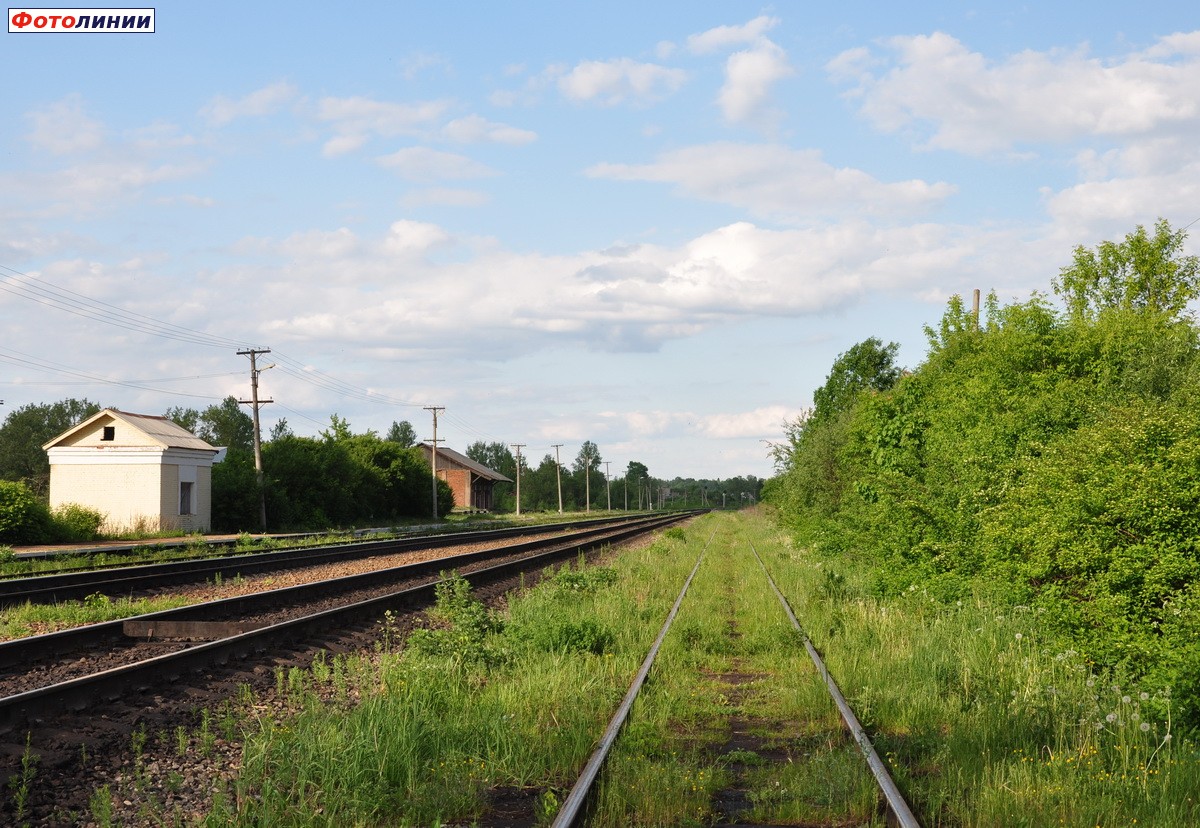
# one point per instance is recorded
(1044, 455)
(342, 479)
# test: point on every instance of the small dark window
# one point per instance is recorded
(186, 505)
(110, 433)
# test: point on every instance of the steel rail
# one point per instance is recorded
(51, 645)
(126, 579)
(573, 805)
(76, 694)
(895, 800)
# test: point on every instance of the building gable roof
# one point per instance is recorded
(156, 431)
(467, 463)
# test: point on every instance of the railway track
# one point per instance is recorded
(574, 809)
(173, 688)
(124, 580)
(44, 713)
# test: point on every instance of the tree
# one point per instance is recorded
(637, 477)
(539, 486)
(497, 457)
(30, 427)
(588, 479)
(226, 424)
(402, 432)
(339, 429)
(1141, 273)
(869, 365)
(188, 418)
(281, 429)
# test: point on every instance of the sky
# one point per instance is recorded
(653, 226)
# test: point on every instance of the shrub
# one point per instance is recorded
(73, 523)
(23, 517)
(585, 636)
(469, 626)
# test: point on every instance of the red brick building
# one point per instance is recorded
(471, 482)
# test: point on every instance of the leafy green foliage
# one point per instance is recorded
(27, 429)
(1142, 272)
(1047, 459)
(75, 523)
(403, 433)
(23, 516)
(867, 366)
(582, 636)
(497, 457)
(224, 424)
(467, 627)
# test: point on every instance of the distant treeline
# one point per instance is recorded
(1048, 455)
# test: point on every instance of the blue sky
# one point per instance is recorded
(650, 225)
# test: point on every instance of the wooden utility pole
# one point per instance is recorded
(255, 403)
(587, 483)
(558, 474)
(607, 486)
(518, 447)
(434, 409)
(975, 308)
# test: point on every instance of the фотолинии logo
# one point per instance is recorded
(21, 21)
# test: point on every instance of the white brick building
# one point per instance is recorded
(141, 472)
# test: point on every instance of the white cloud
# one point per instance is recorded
(722, 38)
(356, 120)
(415, 64)
(612, 82)
(766, 422)
(425, 164)
(407, 237)
(1119, 203)
(475, 129)
(64, 128)
(759, 423)
(748, 78)
(774, 181)
(266, 101)
(633, 298)
(966, 102)
(88, 187)
(319, 244)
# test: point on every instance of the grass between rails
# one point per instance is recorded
(734, 724)
(28, 619)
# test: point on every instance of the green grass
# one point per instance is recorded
(733, 682)
(987, 719)
(984, 719)
(35, 619)
(481, 703)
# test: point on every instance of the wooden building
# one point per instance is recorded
(471, 482)
(140, 471)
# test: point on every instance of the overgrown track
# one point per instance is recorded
(123, 580)
(46, 711)
(574, 807)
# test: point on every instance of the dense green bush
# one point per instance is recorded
(1046, 457)
(24, 518)
(75, 524)
(334, 482)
